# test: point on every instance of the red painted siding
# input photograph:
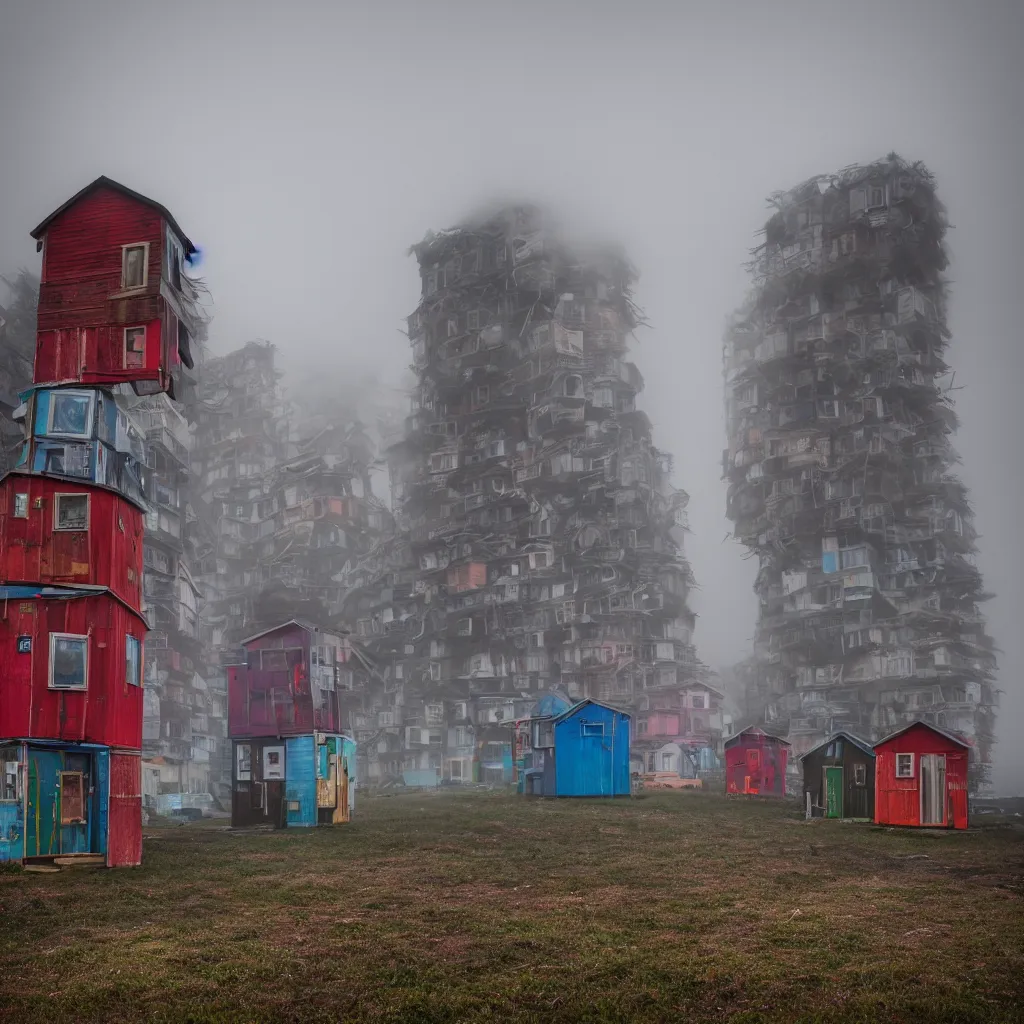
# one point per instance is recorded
(279, 703)
(124, 839)
(108, 711)
(82, 310)
(108, 554)
(755, 764)
(898, 801)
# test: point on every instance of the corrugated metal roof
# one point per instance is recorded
(934, 728)
(842, 735)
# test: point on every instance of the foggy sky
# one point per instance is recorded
(304, 146)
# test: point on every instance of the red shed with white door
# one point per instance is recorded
(921, 778)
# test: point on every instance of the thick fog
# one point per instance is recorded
(304, 146)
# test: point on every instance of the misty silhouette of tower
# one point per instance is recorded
(544, 530)
(839, 467)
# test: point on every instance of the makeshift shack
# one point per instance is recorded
(839, 778)
(921, 778)
(583, 751)
(755, 763)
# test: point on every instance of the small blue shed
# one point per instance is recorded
(583, 751)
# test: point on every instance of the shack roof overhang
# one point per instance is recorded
(863, 745)
(754, 730)
(952, 737)
(104, 182)
(309, 627)
(579, 705)
(65, 592)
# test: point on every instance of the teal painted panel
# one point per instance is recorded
(101, 799)
(347, 750)
(12, 812)
(300, 781)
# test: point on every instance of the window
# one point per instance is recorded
(592, 728)
(904, 766)
(697, 700)
(21, 505)
(69, 661)
(71, 413)
(860, 774)
(134, 347)
(243, 762)
(71, 512)
(134, 260)
(72, 798)
(132, 661)
(10, 776)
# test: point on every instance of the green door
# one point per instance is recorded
(833, 792)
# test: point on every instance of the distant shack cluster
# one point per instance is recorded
(206, 603)
(840, 470)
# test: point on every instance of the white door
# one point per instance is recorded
(933, 789)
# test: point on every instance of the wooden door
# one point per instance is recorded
(833, 791)
(933, 789)
(752, 780)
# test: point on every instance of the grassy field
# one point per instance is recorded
(480, 906)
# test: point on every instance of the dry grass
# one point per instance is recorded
(476, 906)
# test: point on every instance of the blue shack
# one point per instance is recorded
(581, 751)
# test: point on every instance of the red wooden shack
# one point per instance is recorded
(58, 531)
(755, 763)
(921, 778)
(111, 306)
(290, 684)
(71, 662)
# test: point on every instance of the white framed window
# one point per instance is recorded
(21, 505)
(134, 265)
(860, 775)
(71, 511)
(592, 728)
(71, 413)
(133, 660)
(69, 661)
(904, 766)
(243, 762)
(134, 348)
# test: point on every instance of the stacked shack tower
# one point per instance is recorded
(543, 527)
(114, 311)
(840, 469)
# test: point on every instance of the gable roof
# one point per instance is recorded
(842, 735)
(580, 704)
(754, 730)
(104, 182)
(309, 627)
(952, 737)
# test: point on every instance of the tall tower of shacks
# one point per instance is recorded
(115, 310)
(539, 544)
(840, 468)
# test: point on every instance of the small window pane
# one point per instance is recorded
(135, 347)
(904, 766)
(72, 798)
(68, 661)
(135, 266)
(243, 762)
(593, 728)
(72, 512)
(21, 505)
(133, 661)
(9, 773)
(70, 414)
